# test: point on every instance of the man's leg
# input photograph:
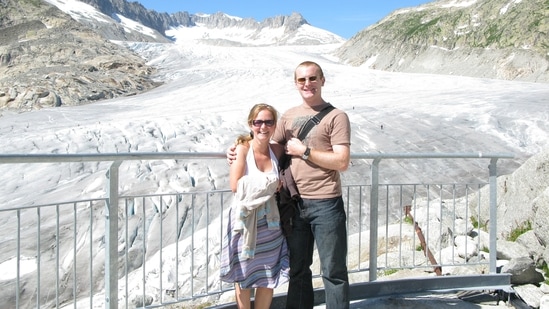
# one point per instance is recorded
(300, 245)
(330, 233)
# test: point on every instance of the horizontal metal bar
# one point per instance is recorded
(97, 157)
(50, 158)
(433, 155)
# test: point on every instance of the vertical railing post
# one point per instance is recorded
(111, 238)
(18, 255)
(493, 213)
(374, 194)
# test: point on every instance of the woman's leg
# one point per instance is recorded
(242, 297)
(263, 298)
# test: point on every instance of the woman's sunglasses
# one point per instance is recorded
(259, 123)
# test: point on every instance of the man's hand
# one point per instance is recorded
(231, 154)
(295, 147)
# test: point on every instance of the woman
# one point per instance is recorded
(255, 253)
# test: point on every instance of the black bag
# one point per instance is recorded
(288, 195)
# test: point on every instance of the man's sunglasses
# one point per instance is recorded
(311, 79)
(259, 123)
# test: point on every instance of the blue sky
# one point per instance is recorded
(344, 18)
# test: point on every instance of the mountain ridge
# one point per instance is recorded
(489, 38)
(163, 22)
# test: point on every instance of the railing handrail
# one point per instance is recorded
(431, 155)
(95, 157)
(52, 158)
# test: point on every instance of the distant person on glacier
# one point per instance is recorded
(316, 163)
(255, 252)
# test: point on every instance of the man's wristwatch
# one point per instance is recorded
(306, 154)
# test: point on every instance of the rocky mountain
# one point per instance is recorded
(49, 59)
(116, 20)
(481, 38)
(158, 21)
(163, 22)
(55, 53)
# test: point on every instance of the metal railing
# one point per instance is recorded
(167, 249)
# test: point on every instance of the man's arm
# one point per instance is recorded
(338, 159)
(231, 154)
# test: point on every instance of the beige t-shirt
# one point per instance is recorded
(313, 181)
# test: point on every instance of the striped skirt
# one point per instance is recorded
(270, 266)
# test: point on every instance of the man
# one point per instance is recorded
(316, 165)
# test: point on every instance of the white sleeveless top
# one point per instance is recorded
(251, 166)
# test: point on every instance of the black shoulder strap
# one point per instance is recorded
(313, 121)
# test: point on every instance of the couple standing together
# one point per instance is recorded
(256, 253)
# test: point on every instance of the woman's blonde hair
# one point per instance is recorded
(246, 138)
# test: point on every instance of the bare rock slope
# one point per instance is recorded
(49, 59)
